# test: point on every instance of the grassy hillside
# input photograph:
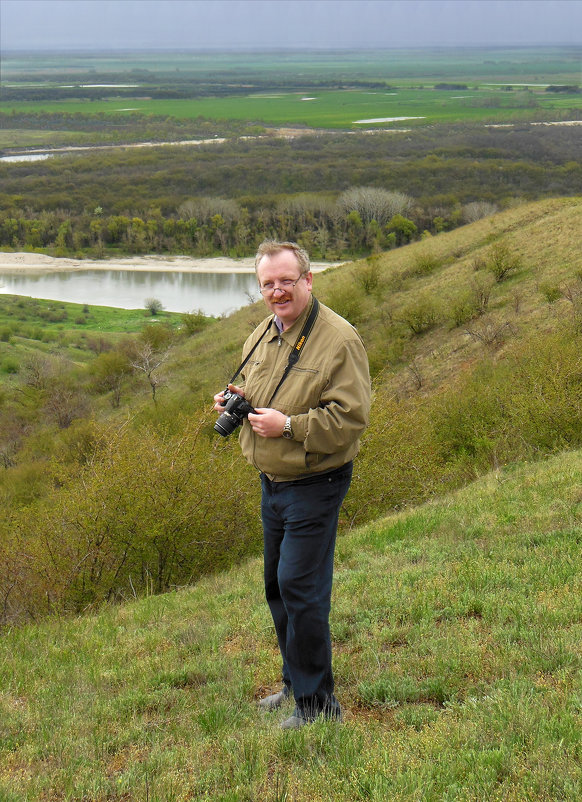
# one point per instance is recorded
(475, 342)
(457, 628)
(451, 272)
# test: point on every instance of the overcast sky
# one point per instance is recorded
(256, 24)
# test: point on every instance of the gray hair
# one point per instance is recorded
(270, 247)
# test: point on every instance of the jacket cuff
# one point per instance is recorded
(299, 426)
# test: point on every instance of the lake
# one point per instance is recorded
(212, 293)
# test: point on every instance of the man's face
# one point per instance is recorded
(287, 302)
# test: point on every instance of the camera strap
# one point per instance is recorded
(251, 352)
(299, 345)
(295, 351)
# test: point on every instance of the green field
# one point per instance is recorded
(332, 89)
(339, 109)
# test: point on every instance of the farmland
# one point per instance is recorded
(318, 90)
(340, 109)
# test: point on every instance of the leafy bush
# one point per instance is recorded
(346, 300)
(423, 264)
(368, 275)
(421, 315)
(463, 308)
(147, 512)
(526, 405)
(551, 292)
(194, 322)
(10, 365)
(502, 262)
(153, 305)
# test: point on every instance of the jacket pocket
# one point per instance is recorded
(300, 391)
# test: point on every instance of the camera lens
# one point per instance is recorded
(226, 424)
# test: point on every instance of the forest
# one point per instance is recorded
(338, 195)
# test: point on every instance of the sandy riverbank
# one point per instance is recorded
(16, 262)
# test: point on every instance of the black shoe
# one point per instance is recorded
(275, 700)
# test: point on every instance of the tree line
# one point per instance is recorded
(360, 220)
(224, 198)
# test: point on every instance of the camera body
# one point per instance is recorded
(236, 409)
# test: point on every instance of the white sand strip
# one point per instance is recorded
(15, 262)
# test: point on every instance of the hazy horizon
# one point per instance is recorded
(284, 25)
(278, 49)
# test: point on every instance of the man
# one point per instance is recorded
(302, 438)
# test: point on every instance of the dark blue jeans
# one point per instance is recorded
(299, 526)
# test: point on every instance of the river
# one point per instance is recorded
(213, 293)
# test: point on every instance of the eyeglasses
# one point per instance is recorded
(287, 284)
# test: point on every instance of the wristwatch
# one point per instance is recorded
(287, 430)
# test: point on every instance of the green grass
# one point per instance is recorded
(33, 325)
(16, 311)
(456, 630)
(332, 109)
(22, 137)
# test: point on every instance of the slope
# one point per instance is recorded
(456, 626)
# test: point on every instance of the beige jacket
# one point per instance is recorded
(327, 396)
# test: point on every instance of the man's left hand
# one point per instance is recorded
(267, 422)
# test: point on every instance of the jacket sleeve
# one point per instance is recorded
(344, 408)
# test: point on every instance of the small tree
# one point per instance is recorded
(404, 229)
(149, 353)
(109, 370)
(153, 305)
(368, 276)
(147, 360)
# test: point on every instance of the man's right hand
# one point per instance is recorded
(219, 397)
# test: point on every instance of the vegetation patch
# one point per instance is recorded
(456, 663)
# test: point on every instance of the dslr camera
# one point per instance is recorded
(236, 409)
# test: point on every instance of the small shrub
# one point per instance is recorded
(421, 315)
(10, 365)
(5, 334)
(551, 292)
(491, 332)
(481, 291)
(501, 262)
(463, 309)
(424, 263)
(347, 302)
(194, 322)
(368, 275)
